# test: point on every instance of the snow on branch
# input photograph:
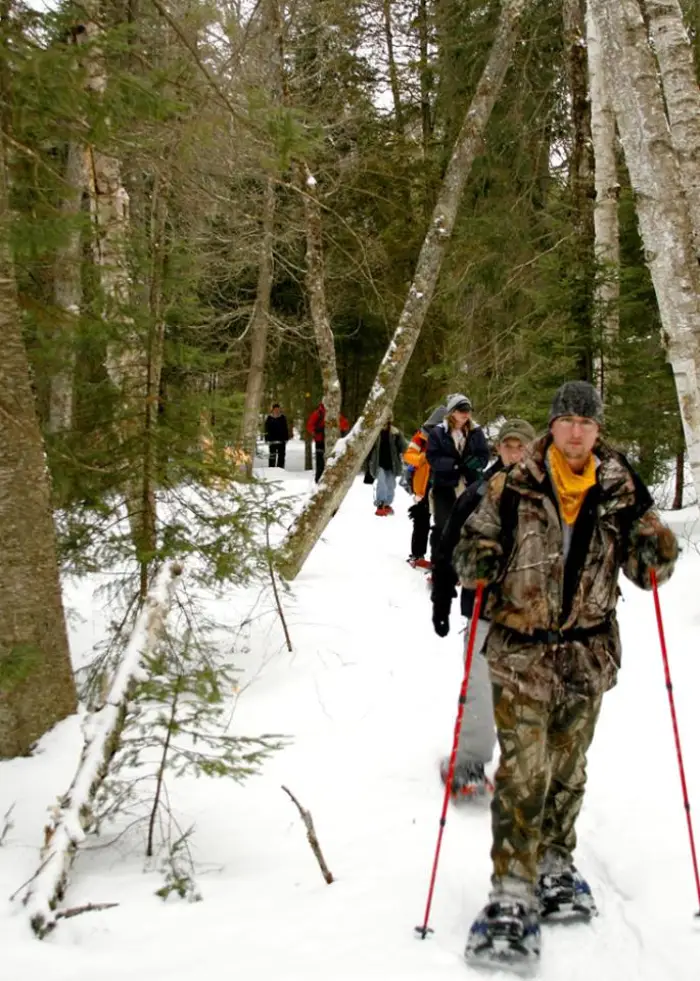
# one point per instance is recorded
(71, 817)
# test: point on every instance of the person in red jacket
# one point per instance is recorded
(316, 426)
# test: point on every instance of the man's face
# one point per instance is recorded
(276, 411)
(511, 451)
(575, 437)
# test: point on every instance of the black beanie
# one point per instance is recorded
(577, 398)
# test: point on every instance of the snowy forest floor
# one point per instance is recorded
(369, 697)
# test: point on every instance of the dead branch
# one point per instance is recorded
(311, 836)
(66, 914)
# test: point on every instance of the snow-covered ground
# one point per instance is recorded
(369, 695)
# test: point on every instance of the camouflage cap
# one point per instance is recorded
(516, 429)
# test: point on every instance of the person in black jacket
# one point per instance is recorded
(277, 436)
(478, 734)
(457, 453)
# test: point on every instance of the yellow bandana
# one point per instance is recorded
(571, 487)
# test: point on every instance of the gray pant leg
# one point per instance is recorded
(477, 739)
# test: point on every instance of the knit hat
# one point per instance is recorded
(457, 401)
(516, 429)
(577, 398)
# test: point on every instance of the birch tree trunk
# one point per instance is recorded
(345, 462)
(605, 212)
(682, 96)
(660, 199)
(393, 72)
(68, 290)
(259, 324)
(36, 680)
(316, 290)
(126, 357)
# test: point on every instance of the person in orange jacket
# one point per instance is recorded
(316, 426)
(416, 460)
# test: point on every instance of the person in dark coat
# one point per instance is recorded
(478, 733)
(457, 453)
(384, 465)
(277, 436)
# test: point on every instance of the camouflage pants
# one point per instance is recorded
(541, 778)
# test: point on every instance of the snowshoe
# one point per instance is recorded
(506, 933)
(469, 780)
(563, 893)
(381, 511)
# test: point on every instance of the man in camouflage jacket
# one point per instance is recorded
(554, 646)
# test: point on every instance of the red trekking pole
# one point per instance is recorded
(676, 734)
(424, 930)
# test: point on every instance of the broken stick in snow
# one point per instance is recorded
(311, 837)
(71, 818)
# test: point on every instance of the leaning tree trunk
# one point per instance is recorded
(68, 289)
(36, 681)
(316, 290)
(605, 214)
(343, 465)
(660, 199)
(682, 96)
(259, 323)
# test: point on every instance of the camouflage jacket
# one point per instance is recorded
(538, 593)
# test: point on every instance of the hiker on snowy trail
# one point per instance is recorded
(384, 465)
(457, 453)
(316, 426)
(417, 464)
(550, 537)
(277, 436)
(478, 733)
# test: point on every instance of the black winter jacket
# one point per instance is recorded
(276, 429)
(444, 576)
(447, 465)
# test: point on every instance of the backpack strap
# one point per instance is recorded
(508, 513)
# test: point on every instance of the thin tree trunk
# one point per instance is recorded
(154, 367)
(259, 324)
(661, 203)
(36, 680)
(393, 73)
(581, 182)
(424, 76)
(316, 290)
(341, 468)
(680, 481)
(68, 289)
(605, 213)
(682, 96)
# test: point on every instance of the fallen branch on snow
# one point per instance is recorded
(71, 817)
(66, 914)
(311, 837)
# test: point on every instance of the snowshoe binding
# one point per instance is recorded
(505, 934)
(563, 893)
(469, 780)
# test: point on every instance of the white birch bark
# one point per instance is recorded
(350, 453)
(316, 291)
(661, 204)
(68, 290)
(605, 212)
(682, 95)
(71, 818)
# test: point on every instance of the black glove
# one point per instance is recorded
(369, 479)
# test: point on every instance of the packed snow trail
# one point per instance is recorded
(369, 695)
